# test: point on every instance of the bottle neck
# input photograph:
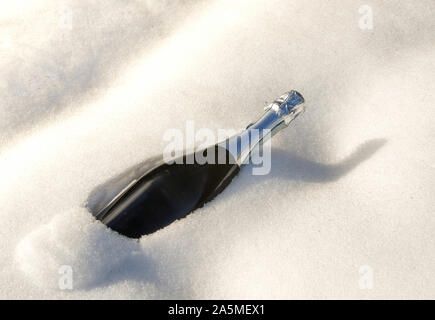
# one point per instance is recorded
(277, 116)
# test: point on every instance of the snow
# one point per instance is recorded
(352, 179)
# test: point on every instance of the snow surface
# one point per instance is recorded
(352, 179)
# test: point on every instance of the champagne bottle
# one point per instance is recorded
(155, 193)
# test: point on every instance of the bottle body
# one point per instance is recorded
(168, 192)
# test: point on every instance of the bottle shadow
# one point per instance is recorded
(285, 165)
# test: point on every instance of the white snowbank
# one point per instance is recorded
(73, 239)
(351, 182)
